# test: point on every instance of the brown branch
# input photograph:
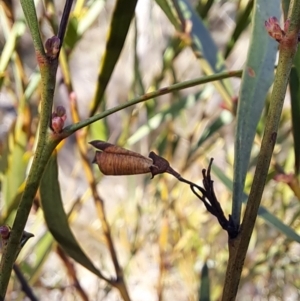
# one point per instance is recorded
(72, 273)
(24, 284)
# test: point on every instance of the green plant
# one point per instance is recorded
(182, 231)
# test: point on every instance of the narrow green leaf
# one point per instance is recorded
(9, 48)
(42, 249)
(204, 290)
(204, 47)
(224, 118)
(13, 164)
(203, 8)
(119, 26)
(80, 22)
(9, 211)
(56, 218)
(256, 81)
(164, 5)
(241, 23)
(34, 82)
(262, 211)
(201, 39)
(90, 16)
(295, 107)
(72, 36)
(285, 7)
(99, 130)
(154, 122)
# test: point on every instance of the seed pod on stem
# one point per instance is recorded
(117, 161)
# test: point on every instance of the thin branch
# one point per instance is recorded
(72, 273)
(179, 86)
(24, 284)
(119, 281)
(64, 21)
(211, 202)
(33, 24)
(239, 246)
(45, 146)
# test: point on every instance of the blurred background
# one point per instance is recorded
(164, 238)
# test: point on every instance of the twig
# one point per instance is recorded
(239, 246)
(45, 146)
(179, 86)
(24, 284)
(119, 281)
(209, 199)
(72, 273)
(64, 21)
(211, 202)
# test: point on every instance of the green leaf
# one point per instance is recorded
(214, 127)
(10, 45)
(32, 86)
(13, 164)
(241, 23)
(15, 156)
(262, 211)
(119, 26)
(9, 211)
(41, 251)
(201, 39)
(72, 36)
(201, 42)
(285, 7)
(90, 16)
(256, 81)
(204, 290)
(164, 5)
(154, 122)
(56, 218)
(295, 107)
(203, 8)
(80, 22)
(98, 130)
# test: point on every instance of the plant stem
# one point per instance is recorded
(33, 24)
(119, 281)
(179, 86)
(64, 21)
(238, 247)
(10, 251)
(24, 284)
(44, 149)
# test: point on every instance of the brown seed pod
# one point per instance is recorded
(117, 161)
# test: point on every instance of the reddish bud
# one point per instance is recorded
(61, 111)
(5, 232)
(57, 124)
(273, 28)
(58, 119)
(52, 46)
(284, 178)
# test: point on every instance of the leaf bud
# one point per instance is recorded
(5, 232)
(52, 46)
(274, 30)
(57, 124)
